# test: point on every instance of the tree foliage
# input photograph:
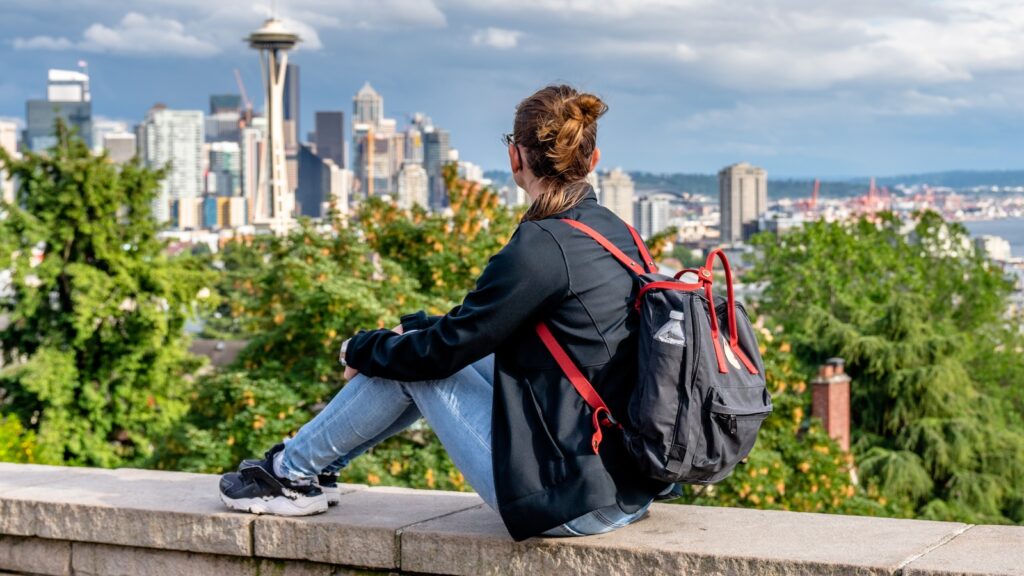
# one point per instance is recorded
(918, 318)
(94, 353)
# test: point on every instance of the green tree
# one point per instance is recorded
(95, 354)
(913, 315)
(444, 251)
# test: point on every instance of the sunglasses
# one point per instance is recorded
(508, 139)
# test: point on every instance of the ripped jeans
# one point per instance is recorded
(458, 408)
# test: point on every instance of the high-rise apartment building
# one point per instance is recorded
(330, 137)
(68, 98)
(174, 139)
(743, 199)
(9, 142)
(651, 214)
(413, 186)
(617, 194)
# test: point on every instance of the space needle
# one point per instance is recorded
(275, 202)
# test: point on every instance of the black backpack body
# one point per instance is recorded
(700, 394)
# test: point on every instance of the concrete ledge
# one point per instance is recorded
(97, 522)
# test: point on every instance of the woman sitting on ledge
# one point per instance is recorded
(480, 375)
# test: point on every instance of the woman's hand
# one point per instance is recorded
(351, 372)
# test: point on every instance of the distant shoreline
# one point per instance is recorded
(1010, 229)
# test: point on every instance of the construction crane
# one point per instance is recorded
(245, 97)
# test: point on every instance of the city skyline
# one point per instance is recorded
(801, 89)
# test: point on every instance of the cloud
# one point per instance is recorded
(135, 34)
(498, 38)
(43, 43)
(139, 34)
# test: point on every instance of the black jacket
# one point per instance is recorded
(545, 471)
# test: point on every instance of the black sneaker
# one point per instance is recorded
(329, 485)
(255, 488)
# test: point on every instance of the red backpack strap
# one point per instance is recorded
(602, 416)
(644, 253)
(734, 342)
(614, 250)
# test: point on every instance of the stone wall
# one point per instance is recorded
(87, 521)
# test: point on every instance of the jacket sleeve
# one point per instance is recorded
(520, 284)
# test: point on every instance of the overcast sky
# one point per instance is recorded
(802, 87)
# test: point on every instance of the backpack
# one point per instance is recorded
(697, 405)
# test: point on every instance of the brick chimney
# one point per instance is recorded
(831, 400)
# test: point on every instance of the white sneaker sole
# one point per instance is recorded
(333, 495)
(278, 506)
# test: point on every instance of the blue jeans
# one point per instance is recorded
(458, 408)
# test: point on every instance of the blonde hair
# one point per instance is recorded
(557, 126)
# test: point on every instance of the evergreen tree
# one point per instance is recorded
(911, 314)
(95, 354)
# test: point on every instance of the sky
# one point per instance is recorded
(804, 88)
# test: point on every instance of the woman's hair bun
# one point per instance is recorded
(587, 108)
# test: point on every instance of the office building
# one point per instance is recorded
(291, 108)
(9, 142)
(120, 146)
(743, 199)
(101, 127)
(225, 168)
(68, 98)
(225, 103)
(330, 137)
(436, 145)
(413, 186)
(617, 194)
(472, 172)
(173, 139)
(252, 161)
(311, 192)
(367, 106)
(651, 214)
(339, 187)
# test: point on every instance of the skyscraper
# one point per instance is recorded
(651, 214)
(9, 142)
(225, 103)
(436, 144)
(330, 137)
(617, 194)
(743, 199)
(174, 139)
(339, 188)
(291, 108)
(226, 168)
(252, 155)
(275, 207)
(68, 98)
(310, 193)
(367, 106)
